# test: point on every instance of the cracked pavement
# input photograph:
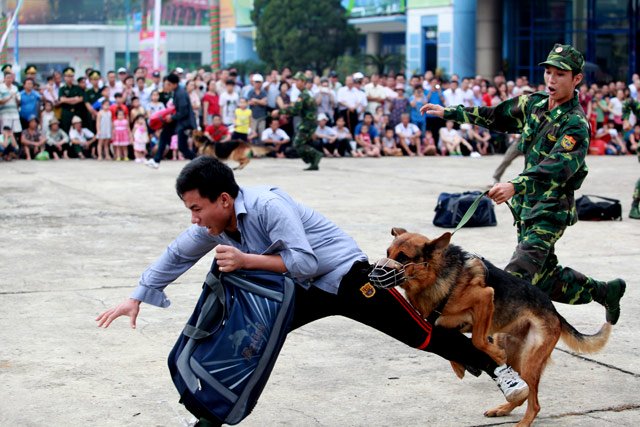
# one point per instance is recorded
(77, 234)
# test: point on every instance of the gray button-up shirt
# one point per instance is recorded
(315, 251)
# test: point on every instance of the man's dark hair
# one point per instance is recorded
(29, 79)
(117, 95)
(173, 78)
(140, 78)
(209, 176)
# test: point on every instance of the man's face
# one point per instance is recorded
(111, 78)
(217, 121)
(68, 79)
(122, 76)
(560, 83)
(30, 76)
(95, 81)
(216, 216)
(28, 85)
(8, 79)
(349, 82)
(300, 83)
(257, 85)
(405, 119)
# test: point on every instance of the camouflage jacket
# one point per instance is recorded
(631, 106)
(555, 144)
(306, 107)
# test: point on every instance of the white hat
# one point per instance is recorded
(358, 76)
(322, 116)
(75, 120)
(122, 70)
(257, 78)
(179, 70)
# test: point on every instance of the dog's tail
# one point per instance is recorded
(584, 343)
(260, 150)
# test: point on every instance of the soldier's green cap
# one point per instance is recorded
(69, 71)
(6, 67)
(31, 69)
(565, 57)
(300, 76)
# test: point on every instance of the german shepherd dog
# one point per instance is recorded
(237, 151)
(510, 319)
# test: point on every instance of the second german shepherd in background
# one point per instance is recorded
(520, 318)
(237, 151)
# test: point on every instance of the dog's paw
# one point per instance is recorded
(499, 411)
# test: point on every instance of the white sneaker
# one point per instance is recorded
(475, 154)
(514, 388)
(152, 164)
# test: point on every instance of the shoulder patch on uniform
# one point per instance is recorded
(568, 142)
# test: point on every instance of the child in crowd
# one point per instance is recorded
(47, 115)
(175, 155)
(137, 110)
(155, 105)
(242, 121)
(343, 137)
(429, 147)
(8, 144)
(104, 126)
(119, 105)
(229, 100)
(121, 136)
(389, 143)
(216, 131)
(140, 138)
(366, 147)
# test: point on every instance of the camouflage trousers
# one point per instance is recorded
(302, 144)
(636, 194)
(535, 260)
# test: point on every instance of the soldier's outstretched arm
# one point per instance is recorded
(509, 116)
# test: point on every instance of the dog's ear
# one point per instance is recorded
(396, 231)
(442, 241)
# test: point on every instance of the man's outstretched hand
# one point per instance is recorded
(432, 110)
(130, 307)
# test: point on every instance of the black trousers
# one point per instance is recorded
(168, 131)
(389, 312)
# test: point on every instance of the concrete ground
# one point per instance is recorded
(77, 234)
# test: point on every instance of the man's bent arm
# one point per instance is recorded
(180, 255)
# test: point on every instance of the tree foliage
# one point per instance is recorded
(302, 34)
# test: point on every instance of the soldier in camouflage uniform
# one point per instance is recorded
(633, 106)
(306, 107)
(555, 140)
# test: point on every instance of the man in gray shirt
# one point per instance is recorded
(263, 228)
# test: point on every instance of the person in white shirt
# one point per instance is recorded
(453, 95)
(327, 136)
(467, 93)
(228, 103)
(276, 137)
(450, 141)
(348, 102)
(376, 93)
(408, 136)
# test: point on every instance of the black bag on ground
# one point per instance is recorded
(225, 354)
(598, 208)
(451, 208)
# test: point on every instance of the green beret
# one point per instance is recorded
(300, 76)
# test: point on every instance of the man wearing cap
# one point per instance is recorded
(31, 72)
(71, 99)
(305, 106)
(555, 140)
(91, 96)
(257, 100)
(56, 140)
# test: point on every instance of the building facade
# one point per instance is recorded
(465, 37)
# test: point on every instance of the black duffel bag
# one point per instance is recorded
(598, 208)
(452, 206)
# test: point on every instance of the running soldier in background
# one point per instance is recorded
(305, 106)
(633, 106)
(555, 140)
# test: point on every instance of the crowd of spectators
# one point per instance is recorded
(107, 117)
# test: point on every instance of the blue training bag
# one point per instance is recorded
(225, 354)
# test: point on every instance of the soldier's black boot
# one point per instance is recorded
(609, 295)
(315, 162)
